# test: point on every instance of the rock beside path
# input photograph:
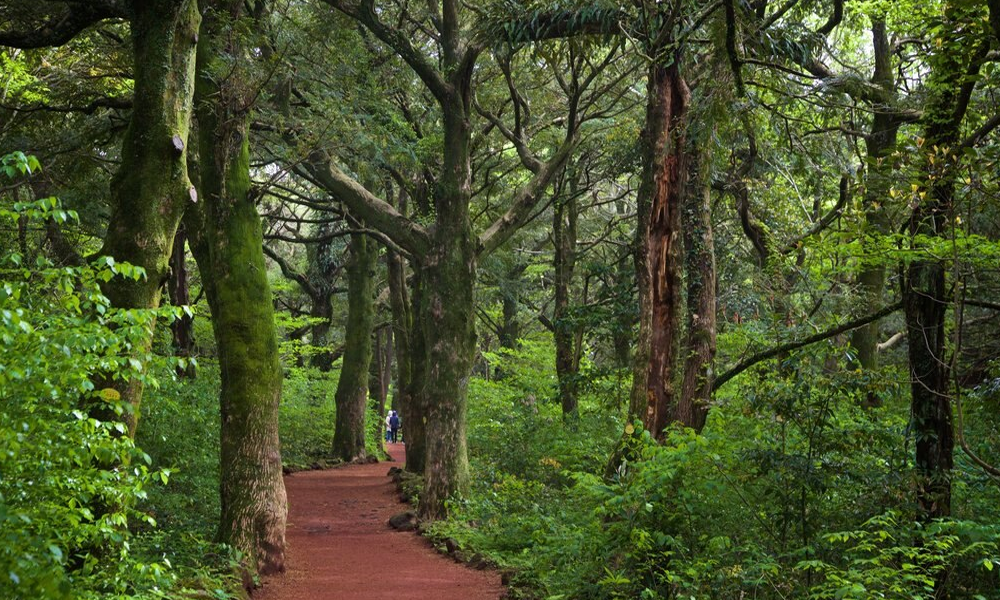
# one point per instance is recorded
(404, 521)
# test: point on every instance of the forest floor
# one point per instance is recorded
(340, 545)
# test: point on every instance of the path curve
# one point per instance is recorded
(340, 546)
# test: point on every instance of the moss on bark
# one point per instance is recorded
(151, 188)
(352, 388)
(227, 241)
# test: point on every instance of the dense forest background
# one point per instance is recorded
(676, 299)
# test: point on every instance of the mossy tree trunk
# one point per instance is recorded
(564, 221)
(227, 242)
(412, 368)
(446, 311)
(151, 187)
(323, 272)
(352, 388)
(509, 334)
(698, 351)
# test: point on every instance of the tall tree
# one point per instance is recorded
(658, 247)
(450, 249)
(880, 143)
(963, 46)
(564, 236)
(699, 265)
(227, 241)
(352, 387)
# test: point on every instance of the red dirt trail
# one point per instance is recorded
(340, 545)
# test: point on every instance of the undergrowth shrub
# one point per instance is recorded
(895, 558)
(180, 431)
(307, 415)
(65, 512)
(794, 490)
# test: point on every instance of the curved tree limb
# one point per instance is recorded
(40, 24)
(117, 102)
(825, 221)
(835, 18)
(731, 52)
(525, 200)
(368, 207)
(363, 11)
(745, 364)
(290, 273)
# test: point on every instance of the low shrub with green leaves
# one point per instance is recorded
(307, 415)
(793, 490)
(70, 485)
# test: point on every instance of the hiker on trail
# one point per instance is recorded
(394, 425)
(388, 427)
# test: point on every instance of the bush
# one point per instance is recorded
(307, 415)
(792, 491)
(70, 484)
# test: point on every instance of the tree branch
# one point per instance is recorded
(982, 304)
(364, 13)
(525, 200)
(35, 24)
(371, 209)
(819, 337)
(290, 273)
(976, 136)
(824, 222)
(119, 102)
(835, 18)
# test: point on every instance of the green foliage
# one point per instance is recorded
(793, 491)
(307, 415)
(180, 432)
(889, 557)
(70, 485)
(517, 422)
(18, 164)
(374, 430)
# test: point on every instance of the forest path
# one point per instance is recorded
(340, 545)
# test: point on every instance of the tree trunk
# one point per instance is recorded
(229, 250)
(183, 327)
(151, 188)
(321, 308)
(380, 371)
(658, 260)
(622, 339)
(352, 388)
(510, 330)
(447, 315)
(925, 299)
(380, 378)
(564, 234)
(324, 269)
(880, 145)
(413, 403)
(699, 342)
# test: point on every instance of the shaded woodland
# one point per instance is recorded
(675, 300)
